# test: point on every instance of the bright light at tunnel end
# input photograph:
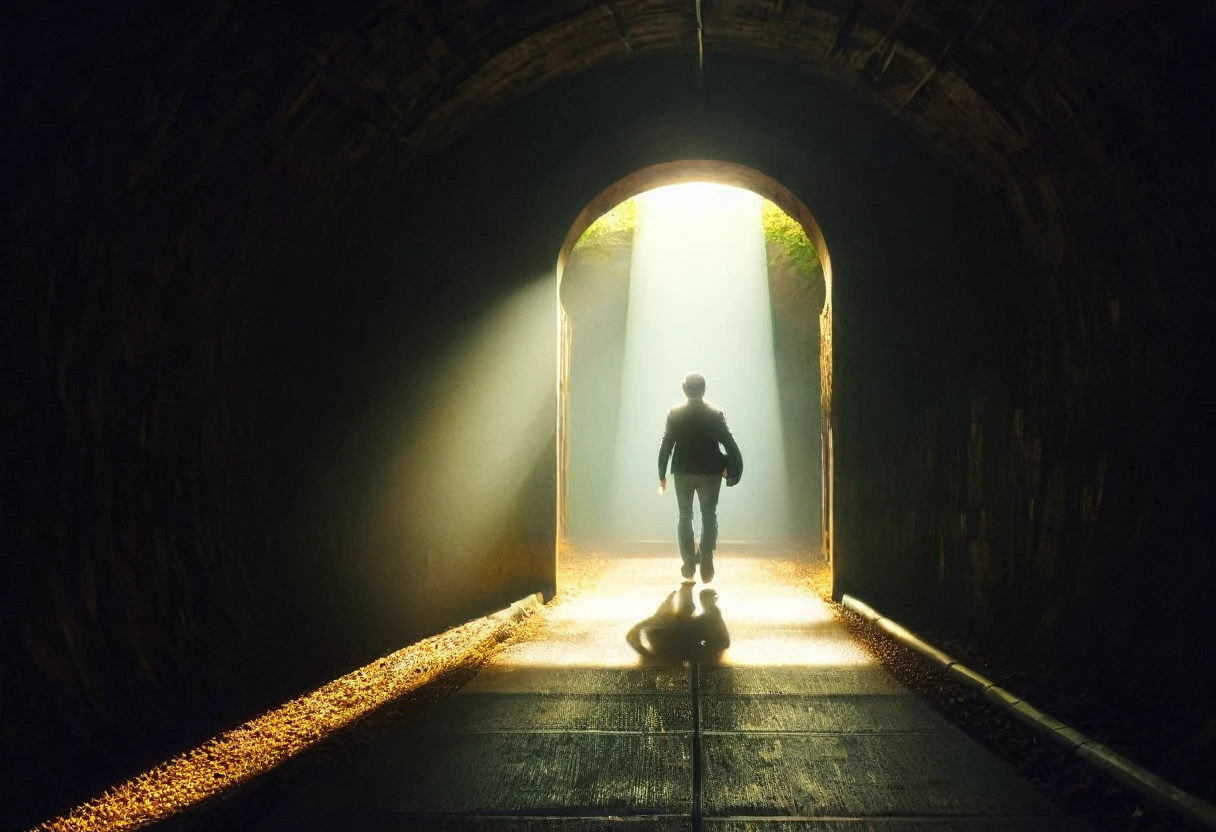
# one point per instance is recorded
(694, 200)
(699, 300)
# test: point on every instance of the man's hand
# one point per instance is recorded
(662, 486)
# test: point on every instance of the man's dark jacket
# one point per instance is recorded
(695, 429)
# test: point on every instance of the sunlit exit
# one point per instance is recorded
(699, 300)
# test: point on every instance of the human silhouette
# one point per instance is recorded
(695, 430)
(712, 636)
(676, 632)
(670, 634)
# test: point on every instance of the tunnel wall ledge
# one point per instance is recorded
(521, 608)
(1106, 760)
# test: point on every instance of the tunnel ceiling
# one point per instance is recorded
(985, 82)
(1039, 99)
(968, 75)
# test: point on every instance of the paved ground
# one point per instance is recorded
(602, 722)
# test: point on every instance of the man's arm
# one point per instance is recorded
(669, 442)
(733, 455)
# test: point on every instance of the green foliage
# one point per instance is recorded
(617, 226)
(614, 227)
(782, 229)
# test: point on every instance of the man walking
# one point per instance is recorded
(695, 429)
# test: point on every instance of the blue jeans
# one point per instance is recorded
(707, 488)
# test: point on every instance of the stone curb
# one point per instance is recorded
(1094, 753)
(520, 608)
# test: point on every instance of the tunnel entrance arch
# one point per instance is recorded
(720, 173)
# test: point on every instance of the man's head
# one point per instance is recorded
(694, 385)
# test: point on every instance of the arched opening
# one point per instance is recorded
(718, 173)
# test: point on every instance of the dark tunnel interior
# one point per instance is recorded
(244, 241)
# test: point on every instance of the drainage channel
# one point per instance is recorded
(694, 669)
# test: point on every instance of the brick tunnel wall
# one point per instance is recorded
(234, 276)
(1053, 504)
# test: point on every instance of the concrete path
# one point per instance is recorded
(791, 728)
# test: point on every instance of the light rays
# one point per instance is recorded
(698, 300)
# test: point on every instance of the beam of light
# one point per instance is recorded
(489, 419)
(698, 300)
(239, 755)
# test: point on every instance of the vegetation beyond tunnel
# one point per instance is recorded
(251, 248)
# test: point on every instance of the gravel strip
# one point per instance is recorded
(241, 807)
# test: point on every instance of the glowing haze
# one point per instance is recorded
(488, 421)
(698, 300)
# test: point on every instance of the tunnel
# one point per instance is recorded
(284, 346)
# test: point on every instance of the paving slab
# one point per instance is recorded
(575, 644)
(855, 776)
(588, 774)
(406, 822)
(505, 712)
(758, 646)
(813, 681)
(548, 680)
(820, 714)
(936, 824)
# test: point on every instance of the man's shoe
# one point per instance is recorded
(707, 570)
(688, 570)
